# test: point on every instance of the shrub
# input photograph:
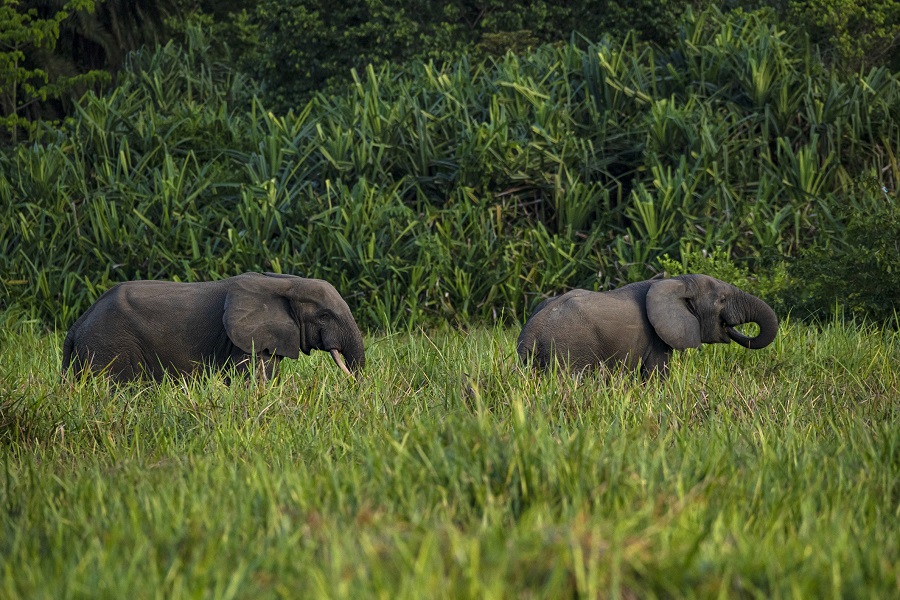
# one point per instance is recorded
(855, 273)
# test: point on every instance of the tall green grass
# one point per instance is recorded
(446, 470)
(465, 192)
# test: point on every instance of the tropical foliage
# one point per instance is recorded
(300, 47)
(465, 192)
(297, 48)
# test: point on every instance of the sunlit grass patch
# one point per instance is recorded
(448, 468)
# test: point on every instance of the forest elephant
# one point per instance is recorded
(143, 329)
(641, 323)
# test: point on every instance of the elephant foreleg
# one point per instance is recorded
(264, 365)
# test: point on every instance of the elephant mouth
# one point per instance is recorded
(733, 335)
(726, 332)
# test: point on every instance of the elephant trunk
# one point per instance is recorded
(353, 350)
(753, 310)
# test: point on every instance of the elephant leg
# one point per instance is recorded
(265, 366)
(656, 362)
(120, 368)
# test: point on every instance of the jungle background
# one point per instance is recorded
(451, 160)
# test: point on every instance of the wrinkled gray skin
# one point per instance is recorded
(141, 329)
(641, 323)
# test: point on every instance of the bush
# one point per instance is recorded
(858, 35)
(857, 272)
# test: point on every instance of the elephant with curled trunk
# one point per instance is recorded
(147, 328)
(641, 323)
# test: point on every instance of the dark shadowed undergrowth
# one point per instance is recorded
(447, 470)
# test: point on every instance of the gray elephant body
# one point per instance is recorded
(147, 328)
(641, 323)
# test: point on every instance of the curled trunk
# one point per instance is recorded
(756, 311)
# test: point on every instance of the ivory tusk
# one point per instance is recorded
(340, 361)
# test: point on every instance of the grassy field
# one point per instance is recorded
(448, 471)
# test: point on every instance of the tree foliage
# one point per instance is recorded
(857, 33)
(52, 51)
(24, 32)
(296, 48)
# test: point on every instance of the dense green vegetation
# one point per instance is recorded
(464, 192)
(295, 48)
(298, 47)
(444, 197)
(446, 471)
(52, 51)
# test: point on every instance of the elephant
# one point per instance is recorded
(145, 329)
(639, 324)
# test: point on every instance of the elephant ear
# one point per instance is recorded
(671, 316)
(261, 320)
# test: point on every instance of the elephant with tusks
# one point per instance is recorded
(144, 329)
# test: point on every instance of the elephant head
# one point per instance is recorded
(688, 310)
(283, 314)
